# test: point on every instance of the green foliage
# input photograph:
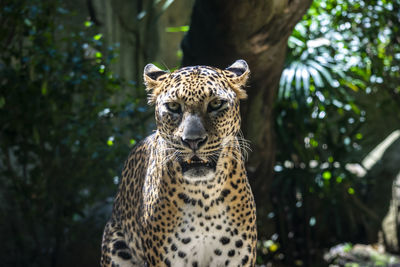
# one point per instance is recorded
(360, 255)
(340, 51)
(65, 131)
(184, 28)
(61, 143)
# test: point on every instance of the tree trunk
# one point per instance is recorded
(257, 31)
(384, 195)
(139, 27)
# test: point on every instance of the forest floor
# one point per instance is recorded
(347, 255)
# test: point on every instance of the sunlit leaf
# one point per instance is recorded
(301, 29)
(350, 85)
(274, 247)
(167, 4)
(316, 77)
(293, 42)
(313, 142)
(184, 28)
(322, 60)
(98, 36)
(312, 221)
(326, 175)
(289, 79)
(306, 80)
(298, 79)
(141, 15)
(282, 83)
(322, 70)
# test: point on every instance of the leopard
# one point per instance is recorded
(184, 198)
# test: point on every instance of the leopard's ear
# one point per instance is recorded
(238, 75)
(151, 77)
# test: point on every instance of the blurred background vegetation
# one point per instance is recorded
(72, 105)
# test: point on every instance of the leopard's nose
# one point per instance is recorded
(194, 134)
(194, 143)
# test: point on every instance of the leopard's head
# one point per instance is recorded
(197, 111)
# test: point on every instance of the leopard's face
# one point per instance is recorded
(197, 112)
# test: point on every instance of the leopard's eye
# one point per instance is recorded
(174, 107)
(216, 104)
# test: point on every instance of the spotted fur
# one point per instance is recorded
(165, 217)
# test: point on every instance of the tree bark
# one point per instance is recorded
(139, 27)
(256, 31)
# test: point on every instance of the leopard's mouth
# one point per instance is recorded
(195, 164)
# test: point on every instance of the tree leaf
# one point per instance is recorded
(289, 80)
(293, 42)
(299, 72)
(316, 77)
(322, 70)
(306, 80)
(282, 82)
(167, 4)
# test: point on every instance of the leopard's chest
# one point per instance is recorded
(204, 239)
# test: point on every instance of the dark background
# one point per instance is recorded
(323, 119)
